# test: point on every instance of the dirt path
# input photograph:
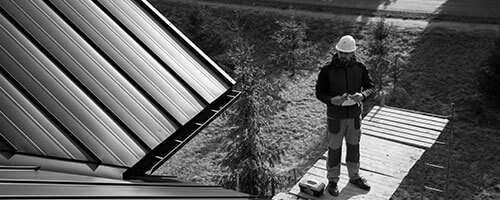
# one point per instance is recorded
(432, 5)
(464, 8)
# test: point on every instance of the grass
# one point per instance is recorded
(441, 69)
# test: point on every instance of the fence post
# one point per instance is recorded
(382, 100)
(238, 181)
(272, 187)
(450, 139)
(294, 175)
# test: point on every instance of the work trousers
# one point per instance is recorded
(338, 129)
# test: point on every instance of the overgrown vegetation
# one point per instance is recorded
(438, 66)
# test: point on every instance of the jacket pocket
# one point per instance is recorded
(333, 125)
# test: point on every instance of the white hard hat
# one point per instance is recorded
(346, 44)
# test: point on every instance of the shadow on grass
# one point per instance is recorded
(442, 70)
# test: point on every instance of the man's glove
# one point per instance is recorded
(357, 97)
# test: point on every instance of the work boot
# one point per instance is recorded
(332, 188)
(361, 183)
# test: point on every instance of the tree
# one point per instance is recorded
(378, 53)
(488, 77)
(294, 52)
(250, 154)
(386, 64)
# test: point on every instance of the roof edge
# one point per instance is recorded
(63, 166)
(165, 150)
(183, 38)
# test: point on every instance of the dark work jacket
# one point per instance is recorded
(337, 78)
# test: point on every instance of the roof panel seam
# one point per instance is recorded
(8, 144)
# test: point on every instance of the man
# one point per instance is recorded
(343, 85)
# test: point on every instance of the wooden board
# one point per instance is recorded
(383, 121)
(401, 130)
(392, 142)
(401, 138)
(381, 185)
(407, 120)
(411, 113)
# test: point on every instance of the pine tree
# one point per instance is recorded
(378, 51)
(251, 155)
(295, 53)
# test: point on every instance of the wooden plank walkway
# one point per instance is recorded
(393, 141)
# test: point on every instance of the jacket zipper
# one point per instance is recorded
(346, 87)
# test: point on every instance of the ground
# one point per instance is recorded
(441, 67)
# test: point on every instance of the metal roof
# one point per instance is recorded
(99, 87)
(31, 183)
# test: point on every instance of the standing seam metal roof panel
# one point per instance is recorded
(95, 73)
(100, 83)
(26, 183)
(32, 123)
(175, 56)
(43, 80)
(135, 60)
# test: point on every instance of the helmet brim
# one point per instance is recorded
(345, 50)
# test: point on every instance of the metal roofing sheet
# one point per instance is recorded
(101, 82)
(177, 57)
(29, 183)
(42, 79)
(31, 131)
(82, 62)
(142, 66)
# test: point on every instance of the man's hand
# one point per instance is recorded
(357, 97)
(338, 100)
